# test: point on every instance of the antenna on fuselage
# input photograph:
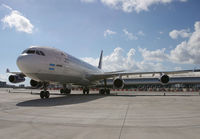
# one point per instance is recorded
(100, 60)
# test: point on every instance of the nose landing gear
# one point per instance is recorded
(45, 93)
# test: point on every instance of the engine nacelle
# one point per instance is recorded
(36, 84)
(118, 83)
(16, 79)
(164, 79)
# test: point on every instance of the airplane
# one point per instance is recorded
(48, 65)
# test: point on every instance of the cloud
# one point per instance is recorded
(156, 55)
(88, 1)
(135, 5)
(6, 6)
(3, 77)
(129, 35)
(18, 21)
(108, 33)
(184, 33)
(188, 51)
(141, 33)
(120, 60)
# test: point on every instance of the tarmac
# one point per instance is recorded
(121, 115)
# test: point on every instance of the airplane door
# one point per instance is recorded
(59, 63)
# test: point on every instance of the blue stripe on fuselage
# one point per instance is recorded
(51, 69)
(52, 65)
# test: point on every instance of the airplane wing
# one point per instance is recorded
(106, 75)
(16, 73)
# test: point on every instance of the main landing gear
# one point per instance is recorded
(45, 93)
(65, 90)
(105, 90)
(86, 91)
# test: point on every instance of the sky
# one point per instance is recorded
(135, 35)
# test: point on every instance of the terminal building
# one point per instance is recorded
(2, 84)
(5, 85)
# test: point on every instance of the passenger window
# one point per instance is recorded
(37, 52)
(30, 52)
(42, 53)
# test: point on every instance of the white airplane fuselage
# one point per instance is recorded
(55, 66)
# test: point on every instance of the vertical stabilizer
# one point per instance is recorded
(100, 60)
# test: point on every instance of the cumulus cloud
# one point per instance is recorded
(3, 77)
(184, 33)
(130, 35)
(135, 5)
(120, 60)
(88, 1)
(156, 55)
(188, 51)
(109, 32)
(18, 21)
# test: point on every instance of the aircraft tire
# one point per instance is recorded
(107, 91)
(88, 91)
(67, 91)
(47, 94)
(42, 94)
(62, 91)
(102, 91)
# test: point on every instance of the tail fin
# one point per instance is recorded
(100, 60)
(7, 70)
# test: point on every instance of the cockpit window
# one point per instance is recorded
(24, 52)
(42, 53)
(30, 52)
(37, 52)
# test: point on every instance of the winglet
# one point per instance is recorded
(100, 60)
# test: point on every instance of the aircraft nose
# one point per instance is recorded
(21, 62)
(24, 63)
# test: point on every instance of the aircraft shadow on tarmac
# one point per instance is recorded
(65, 100)
(61, 100)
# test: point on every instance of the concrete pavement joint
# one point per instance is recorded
(120, 133)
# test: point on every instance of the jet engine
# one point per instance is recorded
(118, 83)
(36, 84)
(16, 79)
(164, 79)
